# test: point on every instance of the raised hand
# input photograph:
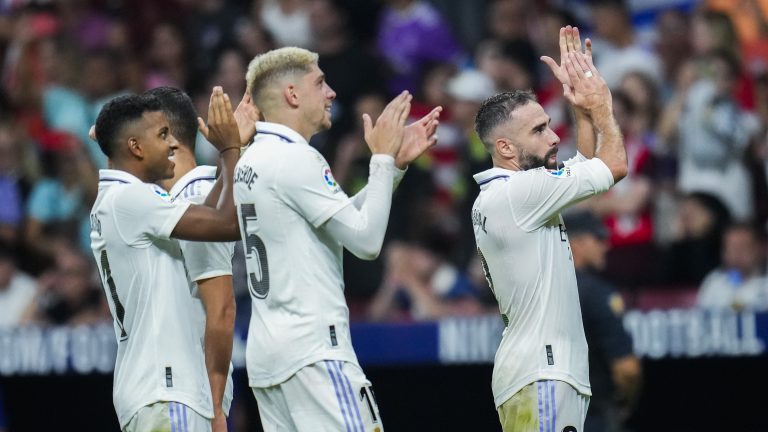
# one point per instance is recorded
(570, 41)
(419, 136)
(221, 129)
(588, 90)
(246, 116)
(386, 137)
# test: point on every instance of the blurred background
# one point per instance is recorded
(671, 262)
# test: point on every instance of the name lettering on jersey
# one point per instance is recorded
(95, 223)
(330, 181)
(562, 172)
(246, 175)
(479, 220)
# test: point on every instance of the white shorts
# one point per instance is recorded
(168, 416)
(329, 395)
(544, 406)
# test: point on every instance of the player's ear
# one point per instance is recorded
(134, 147)
(505, 148)
(290, 96)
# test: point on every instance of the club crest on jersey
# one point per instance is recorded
(562, 172)
(330, 181)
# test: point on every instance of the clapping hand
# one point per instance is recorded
(386, 137)
(222, 128)
(419, 136)
(246, 116)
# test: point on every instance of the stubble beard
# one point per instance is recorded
(531, 161)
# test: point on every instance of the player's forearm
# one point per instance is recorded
(361, 231)
(359, 198)
(610, 143)
(221, 198)
(585, 134)
(218, 299)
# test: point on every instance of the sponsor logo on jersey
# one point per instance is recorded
(330, 181)
(562, 172)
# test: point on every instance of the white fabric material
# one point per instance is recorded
(285, 192)
(159, 356)
(555, 406)
(726, 290)
(168, 416)
(525, 249)
(361, 227)
(15, 298)
(204, 260)
(330, 395)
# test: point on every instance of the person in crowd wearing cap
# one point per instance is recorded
(540, 377)
(615, 373)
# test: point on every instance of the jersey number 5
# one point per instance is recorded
(254, 248)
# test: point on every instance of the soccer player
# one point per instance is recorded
(295, 220)
(160, 380)
(209, 265)
(540, 376)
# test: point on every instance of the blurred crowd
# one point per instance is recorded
(690, 91)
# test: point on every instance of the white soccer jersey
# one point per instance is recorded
(284, 191)
(159, 357)
(204, 260)
(526, 256)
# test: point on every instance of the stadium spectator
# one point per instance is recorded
(67, 294)
(616, 46)
(411, 35)
(740, 281)
(699, 224)
(58, 204)
(17, 289)
(419, 284)
(286, 20)
(713, 133)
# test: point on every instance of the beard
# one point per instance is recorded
(531, 161)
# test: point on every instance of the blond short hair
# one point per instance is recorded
(266, 68)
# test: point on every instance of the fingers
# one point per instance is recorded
(563, 45)
(433, 115)
(202, 126)
(367, 126)
(576, 39)
(405, 110)
(556, 71)
(572, 69)
(569, 39)
(588, 54)
(581, 62)
(229, 115)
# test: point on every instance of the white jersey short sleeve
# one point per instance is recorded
(525, 253)
(284, 192)
(159, 356)
(310, 189)
(204, 260)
